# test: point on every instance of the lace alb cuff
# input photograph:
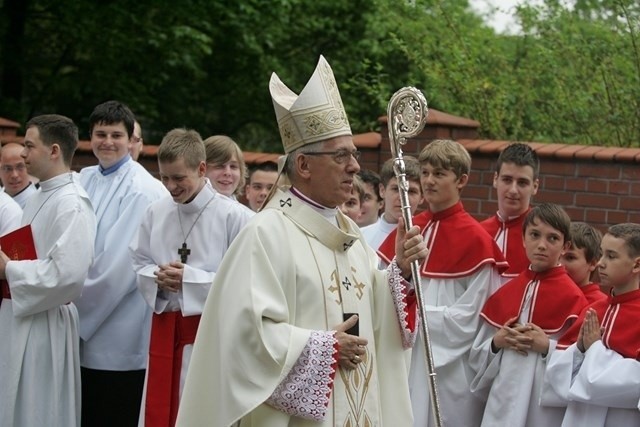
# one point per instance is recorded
(306, 390)
(399, 288)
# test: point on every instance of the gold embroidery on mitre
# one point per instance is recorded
(317, 114)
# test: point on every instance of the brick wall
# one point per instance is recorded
(599, 185)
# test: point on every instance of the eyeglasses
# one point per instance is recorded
(339, 156)
(20, 167)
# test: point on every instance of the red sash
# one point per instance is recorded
(170, 332)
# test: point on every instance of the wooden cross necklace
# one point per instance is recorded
(184, 251)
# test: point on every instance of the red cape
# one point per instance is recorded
(618, 316)
(556, 300)
(514, 249)
(458, 245)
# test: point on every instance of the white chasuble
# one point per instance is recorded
(289, 274)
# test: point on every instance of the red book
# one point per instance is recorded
(17, 245)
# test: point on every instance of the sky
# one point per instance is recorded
(503, 12)
(502, 19)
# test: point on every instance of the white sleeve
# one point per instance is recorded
(483, 361)
(607, 379)
(561, 367)
(454, 327)
(57, 277)
(196, 284)
(111, 276)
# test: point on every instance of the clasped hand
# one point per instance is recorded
(521, 338)
(169, 276)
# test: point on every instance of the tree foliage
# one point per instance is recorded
(572, 75)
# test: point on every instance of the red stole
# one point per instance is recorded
(170, 332)
(618, 316)
(458, 246)
(556, 300)
(593, 293)
(513, 245)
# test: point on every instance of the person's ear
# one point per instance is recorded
(462, 181)
(56, 151)
(202, 169)
(302, 165)
(495, 180)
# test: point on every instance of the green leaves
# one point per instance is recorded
(571, 76)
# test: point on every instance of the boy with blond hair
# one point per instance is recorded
(598, 376)
(461, 271)
(581, 259)
(522, 320)
(179, 246)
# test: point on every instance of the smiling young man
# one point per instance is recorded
(179, 246)
(516, 182)
(114, 320)
(39, 357)
(288, 357)
(13, 172)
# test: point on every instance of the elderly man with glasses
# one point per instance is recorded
(301, 327)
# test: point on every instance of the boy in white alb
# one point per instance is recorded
(180, 243)
(114, 319)
(598, 376)
(521, 323)
(461, 271)
(39, 355)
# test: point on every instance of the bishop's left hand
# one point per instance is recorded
(169, 276)
(410, 246)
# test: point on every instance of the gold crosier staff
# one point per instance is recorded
(407, 114)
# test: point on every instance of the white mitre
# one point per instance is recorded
(317, 114)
